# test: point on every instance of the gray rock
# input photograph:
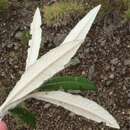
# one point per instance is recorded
(128, 101)
(108, 83)
(47, 105)
(91, 72)
(111, 76)
(127, 62)
(18, 35)
(127, 79)
(114, 61)
(86, 51)
(71, 114)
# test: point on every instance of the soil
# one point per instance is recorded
(104, 58)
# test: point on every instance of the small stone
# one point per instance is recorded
(124, 70)
(111, 76)
(114, 61)
(112, 68)
(90, 129)
(83, 73)
(104, 78)
(102, 41)
(47, 105)
(127, 62)
(129, 111)
(107, 67)
(86, 51)
(127, 79)
(71, 114)
(108, 83)
(91, 72)
(110, 93)
(128, 101)
(21, 72)
(124, 87)
(18, 35)
(9, 45)
(12, 54)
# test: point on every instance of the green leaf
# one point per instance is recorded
(68, 83)
(23, 114)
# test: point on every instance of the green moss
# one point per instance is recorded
(25, 37)
(62, 12)
(127, 12)
(3, 5)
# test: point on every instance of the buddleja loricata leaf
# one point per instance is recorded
(35, 41)
(78, 105)
(24, 115)
(67, 83)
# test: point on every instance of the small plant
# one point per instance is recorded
(25, 37)
(62, 12)
(3, 5)
(127, 12)
(38, 74)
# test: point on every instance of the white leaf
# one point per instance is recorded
(74, 103)
(52, 62)
(79, 105)
(35, 42)
(80, 31)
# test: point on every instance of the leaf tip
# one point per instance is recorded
(37, 10)
(116, 125)
(37, 16)
(97, 8)
(113, 123)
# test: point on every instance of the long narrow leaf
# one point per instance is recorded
(35, 42)
(79, 105)
(67, 83)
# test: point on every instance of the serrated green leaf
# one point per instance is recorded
(24, 115)
(68, 83)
